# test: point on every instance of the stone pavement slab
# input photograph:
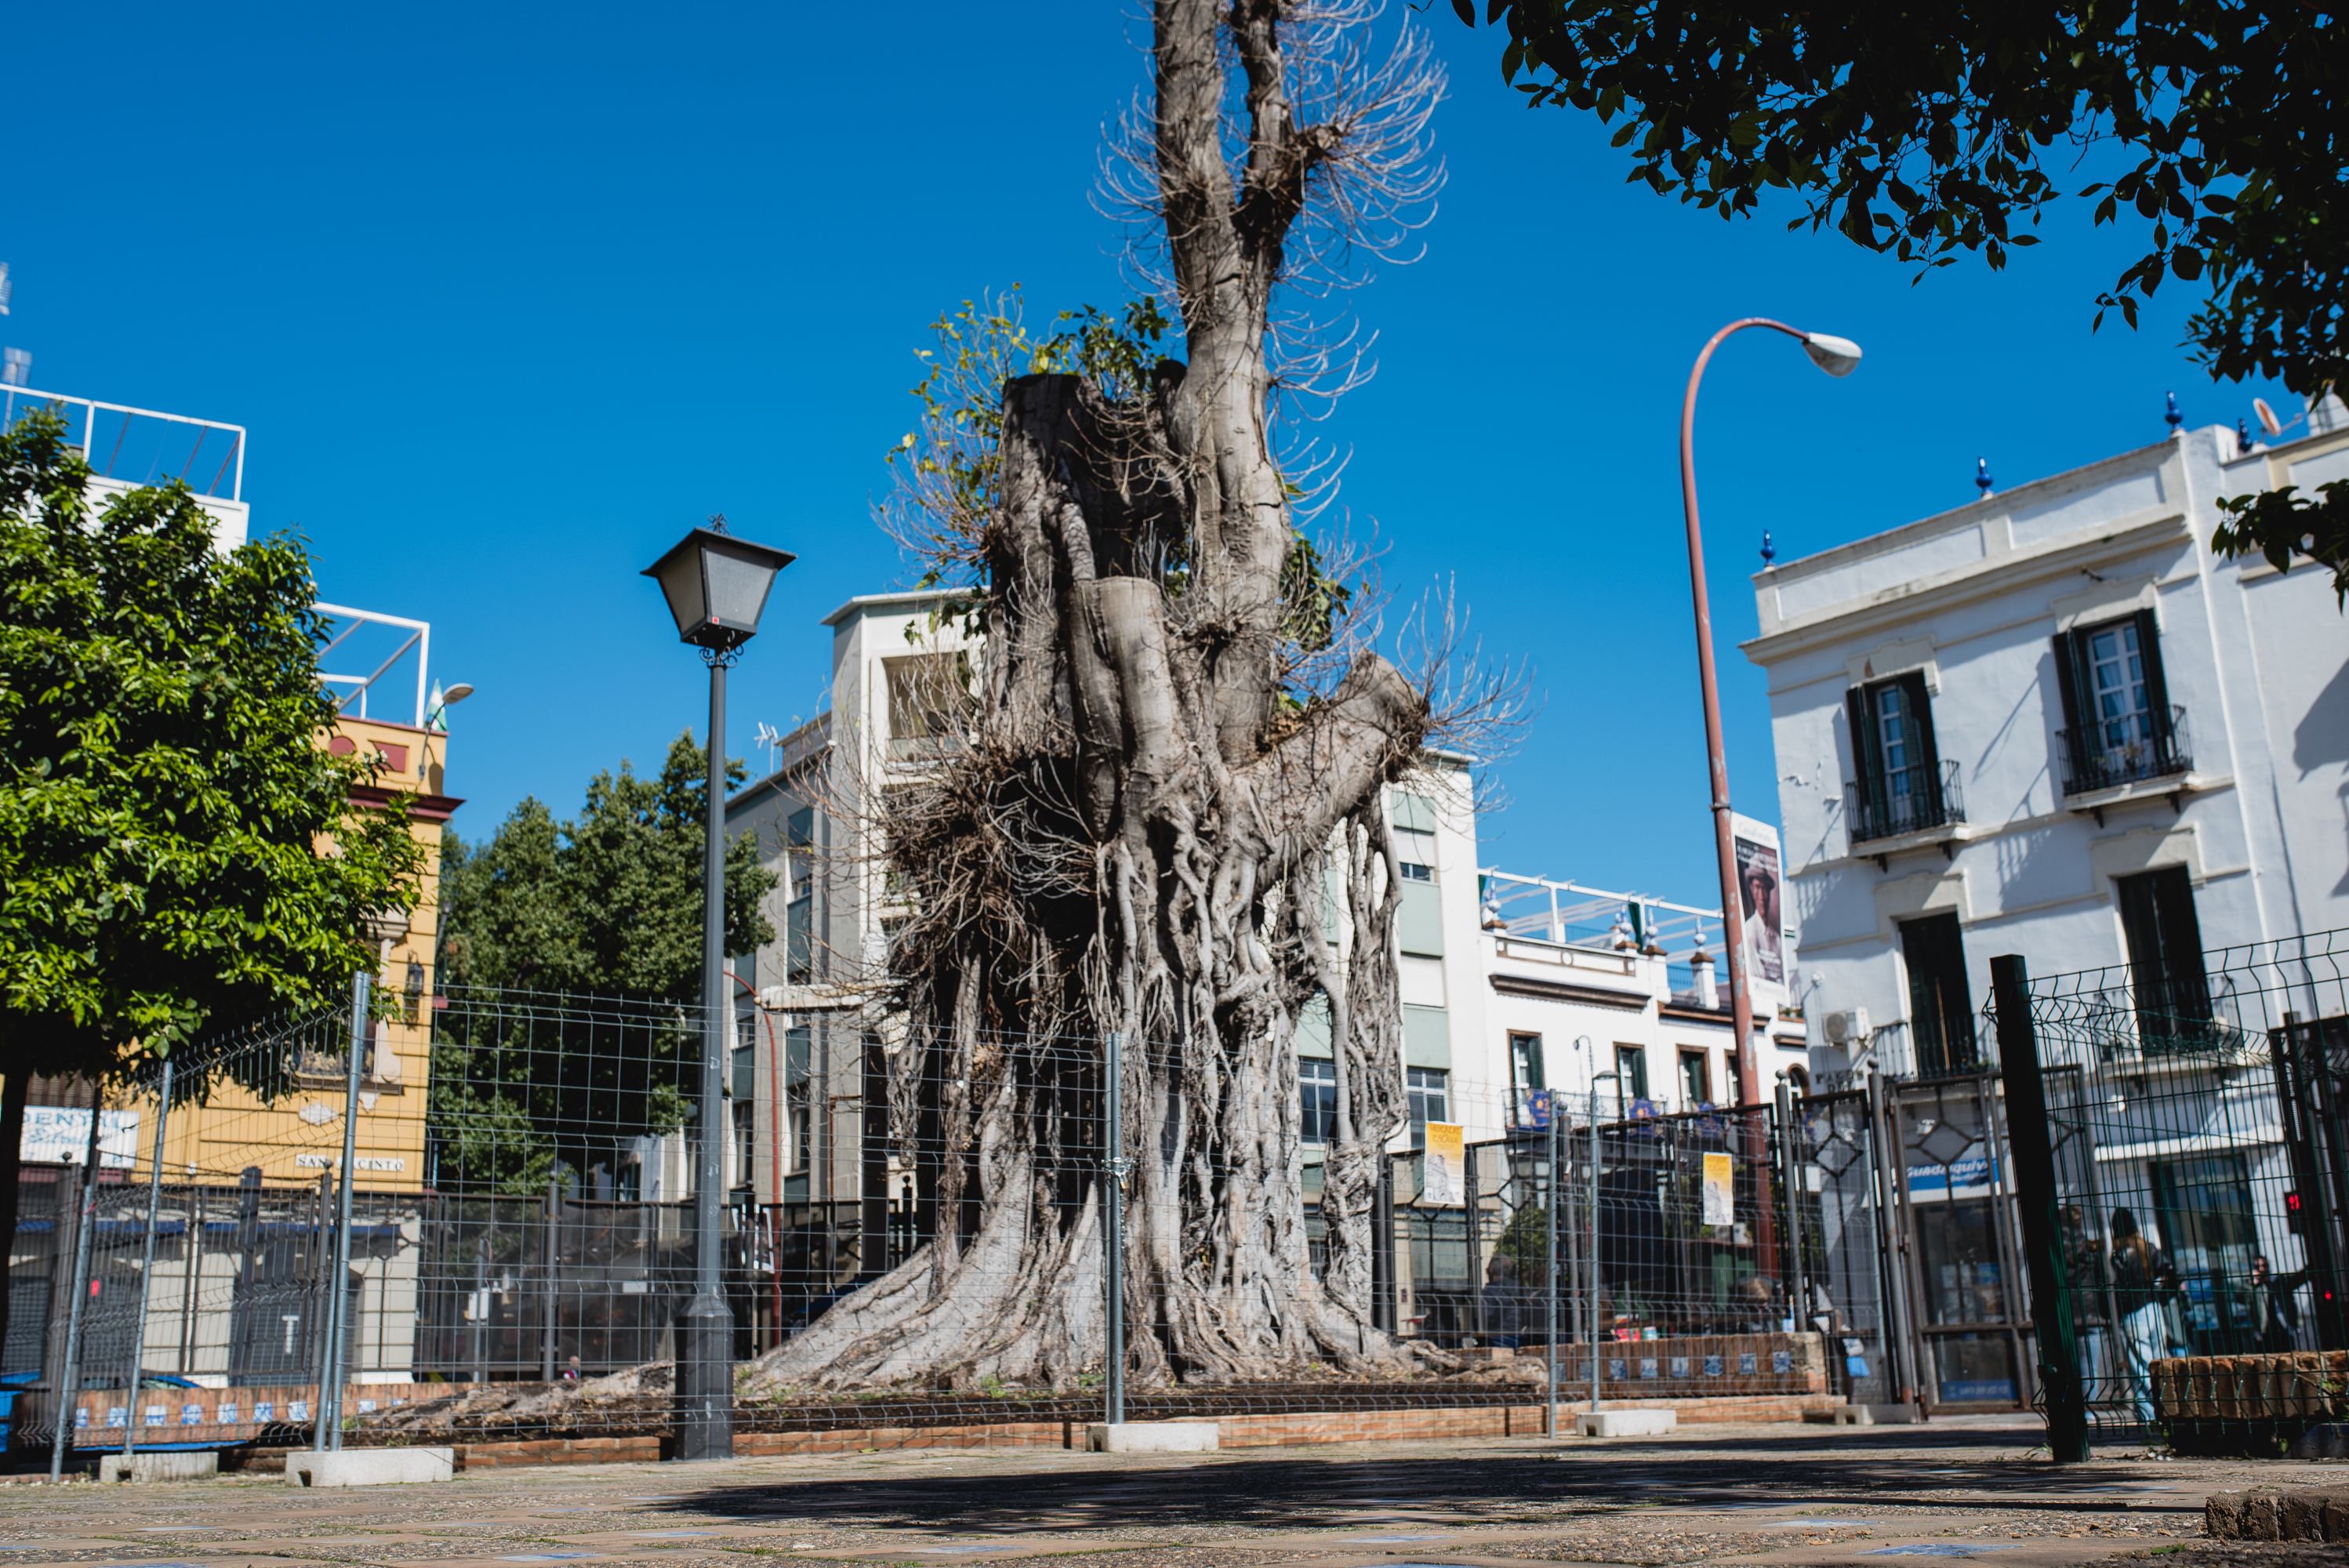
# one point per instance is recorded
(1772, 1497)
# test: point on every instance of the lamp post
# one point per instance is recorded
(1837, 356)
(716, 586)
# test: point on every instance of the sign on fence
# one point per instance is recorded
(1720, 1206)
(1445, 1184)
(59, 1135)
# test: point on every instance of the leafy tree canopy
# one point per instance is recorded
(164, 799)
(178, 850)
(1927, 134)
(608, 902)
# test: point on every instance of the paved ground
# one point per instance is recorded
(1797, 1496)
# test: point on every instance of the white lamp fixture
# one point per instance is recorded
(1835, 355)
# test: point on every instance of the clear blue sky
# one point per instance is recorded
(509, 297)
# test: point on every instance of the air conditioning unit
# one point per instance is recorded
(1848, 1027)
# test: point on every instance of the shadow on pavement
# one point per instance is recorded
(1952, 1469)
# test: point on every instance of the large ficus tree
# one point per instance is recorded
(1159, 812)
(179, 849)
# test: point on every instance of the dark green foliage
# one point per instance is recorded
(1930, 132)
(163, 794)
(2280, 523)
(538, 1062)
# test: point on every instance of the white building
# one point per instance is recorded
(2052, 723)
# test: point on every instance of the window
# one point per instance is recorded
(1317, 1089)
(798, 1098)
(2165, 955)
(1631, 1071)
(1940, 1005)
(1415, 855)
(1899, 785)
(2207, 1227)
(746, 1141)
(2118, 725)
(1429, 1092)
(1696, 1078)
(1526, 1075)
(925, 691)
(799, 890)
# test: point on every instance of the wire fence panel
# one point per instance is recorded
(519, 1244)
(2195, 1114)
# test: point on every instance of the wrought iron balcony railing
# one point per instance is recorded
(2107, 755)
(1876, 809)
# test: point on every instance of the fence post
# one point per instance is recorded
(1113, 1281)
(1790, 1181)
(2031, 1154)
(68, 1374)
(146, 1266)
(1383, 1310)
(1549, 1289)
(553, 1267)
(2295, 1092)
(330, 1384)
(1595, 1340)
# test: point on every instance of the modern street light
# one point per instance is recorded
(1837, 356)
(716, 587)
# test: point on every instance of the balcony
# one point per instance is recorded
(2108, 762)
(1881, 817)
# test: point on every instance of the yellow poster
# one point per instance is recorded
(1720, 1190)
(1445, 1184)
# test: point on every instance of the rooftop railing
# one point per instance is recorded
(143, 446)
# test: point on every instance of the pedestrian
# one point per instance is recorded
(2143, 1283)
(2274, 1314)
(571, 1370)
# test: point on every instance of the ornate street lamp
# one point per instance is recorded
(716, 587)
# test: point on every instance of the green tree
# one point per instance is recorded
(608, 903)
(1926, 135)
(177, 850)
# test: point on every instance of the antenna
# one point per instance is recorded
(773, 739)
(4, 287)
(2268, 420)
(15, 367)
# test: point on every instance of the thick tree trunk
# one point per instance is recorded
(1147, 831)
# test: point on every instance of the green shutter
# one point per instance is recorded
(1419, 920)
(1414, 813)
(1313, 1028)
(1426, 1037)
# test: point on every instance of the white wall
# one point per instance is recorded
(1974, 599)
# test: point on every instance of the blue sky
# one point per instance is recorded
(509, 297)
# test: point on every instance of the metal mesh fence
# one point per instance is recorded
(516, 1245)
(2195, 1111)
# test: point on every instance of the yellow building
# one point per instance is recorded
(295, 1132)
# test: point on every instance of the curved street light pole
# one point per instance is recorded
(1837, 357)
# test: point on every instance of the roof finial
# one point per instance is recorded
(2171, 416)
(1983, 481)
(1769, 551)
(716, 522)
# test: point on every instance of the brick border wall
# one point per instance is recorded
(1291, 1430)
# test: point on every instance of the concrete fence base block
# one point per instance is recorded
(184, 1464)
(1152, 1436)
(1644, 1423)
(1865, 1416)
(370, 1467)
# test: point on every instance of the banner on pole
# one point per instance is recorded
(1445, 1184)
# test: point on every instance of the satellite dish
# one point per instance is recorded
(2268, 420)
